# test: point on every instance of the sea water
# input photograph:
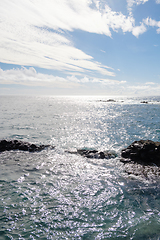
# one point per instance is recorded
(53, 194)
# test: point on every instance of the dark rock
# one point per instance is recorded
(94, 153)
(20, 145)
(144, 102)
(143, 151)
(111, 100)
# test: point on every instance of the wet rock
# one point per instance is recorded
(6, 145)
(94, 153)
(111, 100)
(144, 151)
(144, 102)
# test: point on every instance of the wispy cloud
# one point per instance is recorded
(152, 23)
(39, 33)
(150, 83)
(46, 49)
(33, 33)
(131, 3)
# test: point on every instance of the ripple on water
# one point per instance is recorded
(59, 196)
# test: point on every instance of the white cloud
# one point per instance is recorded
(139, 30)
(30, 77)
(158, 1)
(131, 3)
(116, 20)
(46, 50)
(32, 33)
(112, 82)
(152, 23)
(147, 89)
(150, 83)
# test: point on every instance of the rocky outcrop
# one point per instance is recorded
(94, 153)
(6, 145)
(144, 151)
(109, 100)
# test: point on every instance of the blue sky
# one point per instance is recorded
(107, 47)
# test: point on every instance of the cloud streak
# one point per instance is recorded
(131, 3)
(152, 23)
(33, 33)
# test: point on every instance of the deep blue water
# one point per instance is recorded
(56, 195)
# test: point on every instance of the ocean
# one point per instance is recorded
(54, 194)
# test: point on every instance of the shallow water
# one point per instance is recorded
(56, 195)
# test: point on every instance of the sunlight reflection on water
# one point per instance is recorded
(57, 195)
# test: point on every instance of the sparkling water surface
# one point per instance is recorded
(57, 195)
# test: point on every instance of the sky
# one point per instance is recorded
(80, 47)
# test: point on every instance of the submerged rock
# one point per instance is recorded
(6, 145)
(94, 153)
(144, 151)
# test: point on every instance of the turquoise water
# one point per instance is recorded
(56, 195)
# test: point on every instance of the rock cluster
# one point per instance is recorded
(8, 145)
(20, 145)
(94, 153)
(109, 100)
(143, 151)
